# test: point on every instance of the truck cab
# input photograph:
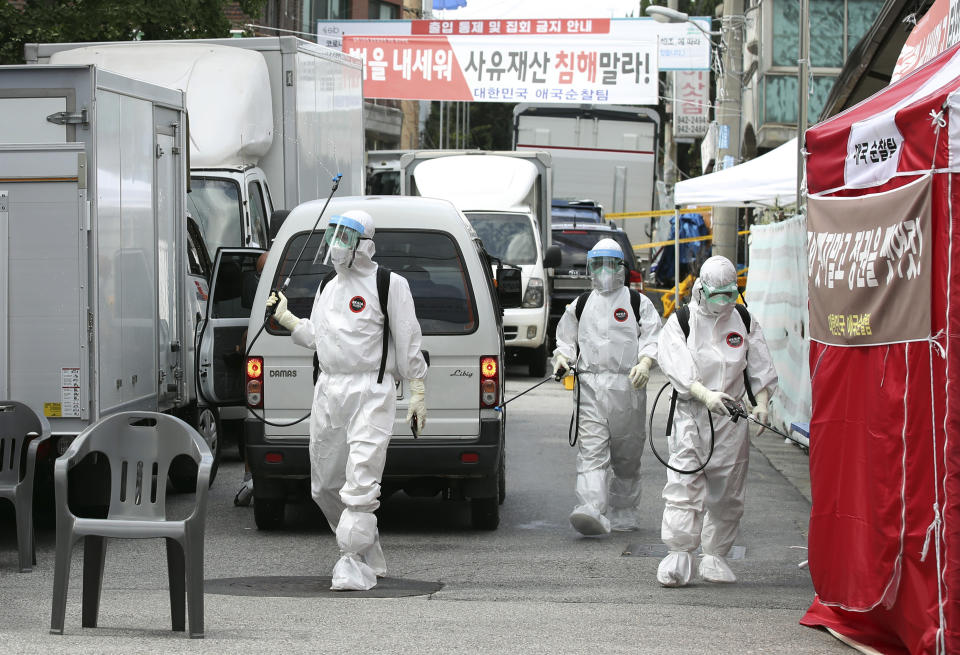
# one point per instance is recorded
(506, 197)
(232, 206)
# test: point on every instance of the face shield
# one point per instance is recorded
(606, 269)
(340, 240)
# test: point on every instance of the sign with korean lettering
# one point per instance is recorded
(869, 264)
(543, 70)
(681, 45)
(691, 103)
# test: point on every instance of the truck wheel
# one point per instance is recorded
(538, 361)
(485, 513)
(183, 470)
(268, 512)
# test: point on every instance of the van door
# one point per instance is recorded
(223, 337)
(434, 266)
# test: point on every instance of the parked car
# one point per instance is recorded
(460, 453)
(570, 277)
(575, 211)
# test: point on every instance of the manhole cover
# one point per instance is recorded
(315, 586)
(660, 550)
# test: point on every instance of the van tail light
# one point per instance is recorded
(636, 281)
(489, 381)
(255, 382)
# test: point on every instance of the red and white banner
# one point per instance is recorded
(489, 69)
(935, 32)
(682, 46)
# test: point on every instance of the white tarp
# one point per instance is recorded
(769, 180)
(777, 295)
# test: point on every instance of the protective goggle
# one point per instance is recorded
(343, 232)
(599, 260)
(724, 295)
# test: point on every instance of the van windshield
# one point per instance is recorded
(507, 237)
(214, 204)
(430, 261)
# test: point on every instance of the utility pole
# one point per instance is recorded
(729, 92)
(803, 65)
(669, 144)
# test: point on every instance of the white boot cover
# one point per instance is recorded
(356, 533)
(588, 521)
(713, 568)
(675, 569)
(623, 519)
(374, 558)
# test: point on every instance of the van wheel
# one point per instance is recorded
(485, 513)
(183, 470)
(538, 361)
(268, 513)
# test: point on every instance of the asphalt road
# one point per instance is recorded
(532, 586)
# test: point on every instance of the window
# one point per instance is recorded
(429, 261)
(379, 10)
(574, 245)
(214, 204)
(258, 214)
(780, 98)
(508, 237)
(235, 285)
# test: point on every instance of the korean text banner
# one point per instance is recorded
(869, 264)
(543, 70)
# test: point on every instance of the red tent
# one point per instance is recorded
(885, 428)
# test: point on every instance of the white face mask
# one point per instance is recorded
(340, 257)
(607, 280)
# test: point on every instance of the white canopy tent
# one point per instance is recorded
(767, 181)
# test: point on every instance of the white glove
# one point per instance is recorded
(560, 367)
(280, 312)
(418, 404)
(712, 399)
(640, 374)
(761, 412)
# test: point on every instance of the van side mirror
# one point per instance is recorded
(276, 221)
(509, 287)
(551, 258)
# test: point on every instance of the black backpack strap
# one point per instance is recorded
(326, 280)
(383, 290)
(316, 360)
(581, 303)
(635, 299)
(745, 317)
(683, 318)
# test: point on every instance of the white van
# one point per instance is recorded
(460, 452)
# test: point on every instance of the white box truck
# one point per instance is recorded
(506, 197)
(99, 287)
(272, 120)
(604, 153)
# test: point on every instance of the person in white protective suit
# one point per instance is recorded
(612, 344)
(352, 415)
(707, 368)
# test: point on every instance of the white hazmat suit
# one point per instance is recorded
(352, 415)
(707, 368)
(615, 354)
